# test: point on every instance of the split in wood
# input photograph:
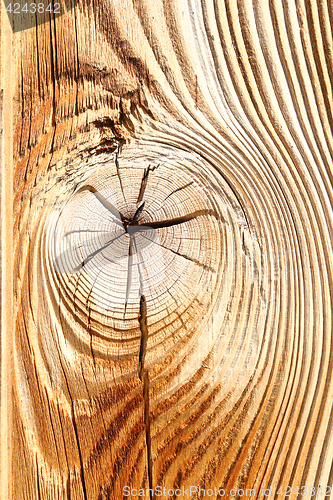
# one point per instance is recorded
(144, 377)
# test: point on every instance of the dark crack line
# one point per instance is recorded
(106, 204)
(85, 231)
(144, 182)
(195, 261)
(93, 254)
(144, 377)
(178, 189)
(39, 494)
(118, 173)
(138, 253)
(144, 334)
(176, 220)
(138, 211)
(78, 447)
(148, 435)
(54, 78)
(129, 272)
(76, 432)
(69, 251)
(91, 336)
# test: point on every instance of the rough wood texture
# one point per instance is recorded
(6, 253)
(196, 348)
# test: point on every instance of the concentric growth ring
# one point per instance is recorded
(138, 227)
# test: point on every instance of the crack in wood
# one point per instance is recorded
(138, 211)
(76, 432)
(91, 335)
(79, 231)
(131, 226)
(93, 254)
(187, 257)
(129, 272)
(176, 220)
(106, 204)
(144, 182)
(55, 79)
(118, 172)
(144, 334)
(144, 377)
(178, 189)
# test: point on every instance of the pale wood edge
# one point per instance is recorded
(6, 253)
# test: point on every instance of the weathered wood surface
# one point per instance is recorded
(6, 255)
(199, 351)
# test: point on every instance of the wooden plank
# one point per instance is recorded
(6, 253)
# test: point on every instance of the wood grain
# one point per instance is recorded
(173, 248)
(6, 253)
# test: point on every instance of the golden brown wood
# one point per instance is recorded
(6, 253)
(172, 248)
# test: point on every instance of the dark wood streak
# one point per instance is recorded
(106, 204)
(144, 334)
(144, 182)
(129, 272)
(175, 221)
(144, 376)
